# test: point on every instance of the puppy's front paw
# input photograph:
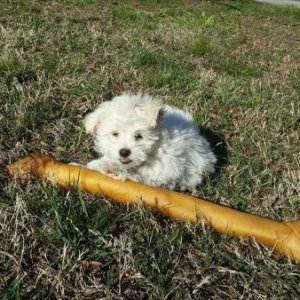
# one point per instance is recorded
(108, 168)
(115, 171)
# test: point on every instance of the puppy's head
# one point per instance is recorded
(125, 128)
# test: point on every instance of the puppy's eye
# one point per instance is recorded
(138, 136)
(115, 134)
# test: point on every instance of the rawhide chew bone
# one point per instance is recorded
(282, 236)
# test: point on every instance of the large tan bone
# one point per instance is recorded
(282, 236)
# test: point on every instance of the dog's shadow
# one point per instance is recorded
(218, 146)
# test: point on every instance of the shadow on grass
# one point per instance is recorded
(219, 147)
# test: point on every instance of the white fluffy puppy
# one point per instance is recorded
(141, 139)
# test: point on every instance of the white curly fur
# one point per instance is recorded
(161, 145)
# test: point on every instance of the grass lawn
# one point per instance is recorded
(235, 65)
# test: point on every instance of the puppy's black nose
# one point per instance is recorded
(124, 152)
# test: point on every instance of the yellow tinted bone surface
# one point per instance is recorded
(284, 237)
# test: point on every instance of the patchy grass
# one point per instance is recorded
(233, 64)
(237, 69)
(160, 61)
(199, 48)
(126, 13)
(164, 70)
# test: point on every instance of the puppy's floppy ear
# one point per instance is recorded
(93, 119)
(151, 110)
